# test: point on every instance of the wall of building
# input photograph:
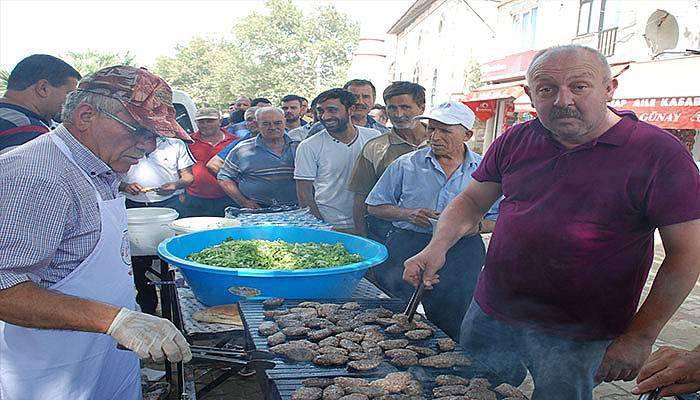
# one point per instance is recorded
(554, 23)
(435, 49)
(631, 19)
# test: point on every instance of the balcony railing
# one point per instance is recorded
(606, 41)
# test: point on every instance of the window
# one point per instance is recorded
(433, 91)
(590, 16)
(525, 27)
(416, 74)
(442, 19)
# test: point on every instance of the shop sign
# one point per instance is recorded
(665, 112)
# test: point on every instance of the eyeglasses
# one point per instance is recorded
(276, 124)
(140, 132)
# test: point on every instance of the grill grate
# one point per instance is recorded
(287, 375)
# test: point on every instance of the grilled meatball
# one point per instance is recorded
(268, 328)
(296, 331)
(446, 344)
(307, 393)
(276, 338)
(448, 380)
(449, 390)
(333, 392)
(510, 391)
(320, 334)
(394, 382)
(422, 351)
(393, 344)
(330, 359)
(317, 382)
(445, 360)
(419, 334)
(273, 302)
(366, 364)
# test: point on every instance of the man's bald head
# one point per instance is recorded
(545, 54)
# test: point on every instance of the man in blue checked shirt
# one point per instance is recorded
(412, 192)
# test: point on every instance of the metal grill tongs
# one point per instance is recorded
(416, 298)
(255, 359)
(654, 395)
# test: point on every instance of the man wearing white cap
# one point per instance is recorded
(411, 193)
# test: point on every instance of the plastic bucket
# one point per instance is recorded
(196, 224)
(218, 285)
(148, 226)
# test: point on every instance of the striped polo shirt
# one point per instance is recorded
(19, 125)
(262, 175)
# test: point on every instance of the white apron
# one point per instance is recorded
(54, 364)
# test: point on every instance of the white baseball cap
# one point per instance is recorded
(451, 113)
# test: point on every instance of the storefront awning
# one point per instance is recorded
(663, 93)
(496, 91)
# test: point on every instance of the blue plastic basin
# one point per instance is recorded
(218, 285)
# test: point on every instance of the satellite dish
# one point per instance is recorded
(661, 31)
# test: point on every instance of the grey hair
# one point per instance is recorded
(262, 110)
(249, 111)
(78, 97)
(607, 74)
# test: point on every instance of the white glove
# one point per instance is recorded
(149, 336)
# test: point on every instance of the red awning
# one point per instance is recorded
(664, 112)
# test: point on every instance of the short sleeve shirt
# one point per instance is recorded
(374, 159)
(261, 174)
(205, 185)
(328, 163)
(158, 168)
(417, 180)
(574, 241)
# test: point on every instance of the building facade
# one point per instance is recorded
(439, 42)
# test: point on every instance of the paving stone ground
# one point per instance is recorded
(683, 330)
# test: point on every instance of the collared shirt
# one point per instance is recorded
(261, 174)
(205, 185)
(49, 218)
(417, 180)
(374, 124)
(19, 125)
(159, 167)
(575, 243)
(375, 158)
(239, 129)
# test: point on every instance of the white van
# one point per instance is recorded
(185, 111)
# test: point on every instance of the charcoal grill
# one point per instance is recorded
(280, 382)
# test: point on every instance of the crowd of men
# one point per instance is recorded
(572, 199)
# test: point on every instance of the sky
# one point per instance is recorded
(148, 28)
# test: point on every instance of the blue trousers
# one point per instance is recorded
(562, 368)
(447, 303)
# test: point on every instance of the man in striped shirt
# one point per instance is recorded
(259, 172)
(36, 90)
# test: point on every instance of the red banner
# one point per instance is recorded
(484, 109)
(666, 112)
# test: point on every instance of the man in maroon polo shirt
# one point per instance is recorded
(204, 197)
(585, 187)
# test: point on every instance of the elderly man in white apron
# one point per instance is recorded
(66, 287)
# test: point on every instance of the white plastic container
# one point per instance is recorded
(196, 224)
(148, 227)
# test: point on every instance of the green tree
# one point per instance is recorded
(289, 52)
(89, 61)
(207, 70)
(278, 52)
